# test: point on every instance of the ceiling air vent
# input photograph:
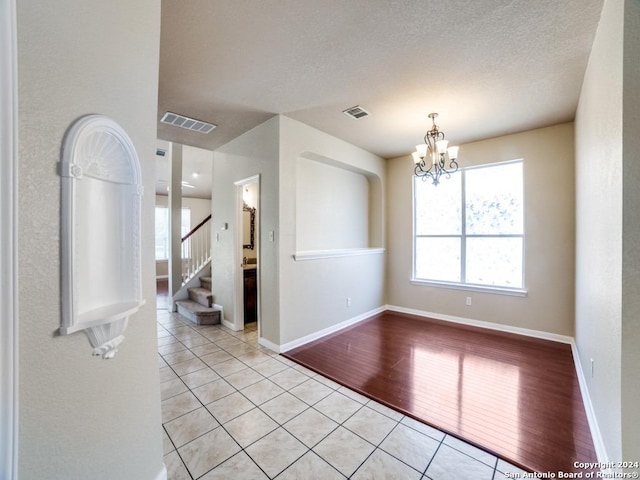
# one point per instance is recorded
(355, 112)
(186, 122)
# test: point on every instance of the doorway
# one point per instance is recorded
(247, 253)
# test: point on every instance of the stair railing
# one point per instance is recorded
(196, 249)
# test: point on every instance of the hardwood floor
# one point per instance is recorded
(515, 396)
(162, 293)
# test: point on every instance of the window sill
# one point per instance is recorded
(347, 252)
(515, 292)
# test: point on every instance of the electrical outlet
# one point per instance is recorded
(271, 236)
(468, 301)
(348, 301)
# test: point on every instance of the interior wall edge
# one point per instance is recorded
(8, 236)
(596, 435)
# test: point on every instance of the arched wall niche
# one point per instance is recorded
(101, 249)
(339, 208)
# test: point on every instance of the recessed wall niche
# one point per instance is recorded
(100, 230)
(338, 207)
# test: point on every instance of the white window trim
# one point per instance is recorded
(516, 292)
(501, 290)
(8, 237)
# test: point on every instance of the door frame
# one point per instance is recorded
(238, 291)
(8, 237)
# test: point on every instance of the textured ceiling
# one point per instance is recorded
(489, 67)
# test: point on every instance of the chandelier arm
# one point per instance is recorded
(424, 174)
(420, 167)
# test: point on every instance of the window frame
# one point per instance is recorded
(463, 285)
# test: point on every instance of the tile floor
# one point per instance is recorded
(232, 409)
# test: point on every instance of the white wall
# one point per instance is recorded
(599, 223)
(296, 298)
(253, 153)
(82, 416)
(332, 207)
(607, 229)
(313, 293)
(549, 235)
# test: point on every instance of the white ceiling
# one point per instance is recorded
(489, 67)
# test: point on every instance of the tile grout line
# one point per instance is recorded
(239, 347)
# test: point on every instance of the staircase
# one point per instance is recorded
(196, 250)
(199, 307)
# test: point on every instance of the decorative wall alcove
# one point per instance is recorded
(339, 209)
(101, 200)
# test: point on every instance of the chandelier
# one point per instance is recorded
(432, 156)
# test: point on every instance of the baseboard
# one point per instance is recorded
(269, 344)
(228, 324)
(482, 324)
(329, 330)
(162, 475)
(586, 399)
(596, 435)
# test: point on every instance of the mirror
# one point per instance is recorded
(248, 227)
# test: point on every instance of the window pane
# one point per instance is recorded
(437, 208)
(438, 258)
(494, 261)
(162, 230)
(185, 226)
(494, 200)
(162, 233)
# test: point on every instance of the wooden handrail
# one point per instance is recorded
(197, 227)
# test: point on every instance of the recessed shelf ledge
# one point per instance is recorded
(102, 315)
(342, 252)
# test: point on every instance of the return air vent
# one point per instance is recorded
(186, 122)
(355, 112)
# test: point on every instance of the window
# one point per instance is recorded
(469, 230)
(162, 230)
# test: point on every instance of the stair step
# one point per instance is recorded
(205, 282)
(201, 295)
(198, 313)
